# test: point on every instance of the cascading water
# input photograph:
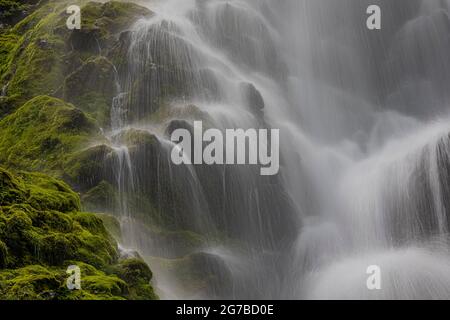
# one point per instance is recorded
(364, 163)
(378, 168)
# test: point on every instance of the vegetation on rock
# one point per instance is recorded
(56, 92)
(43, 133)
(12, 10)
(39, 52)
(42, 232)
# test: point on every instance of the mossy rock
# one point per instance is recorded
(39, 221)
(43, 134)
(101, 198)
(135, 272)
(34, 63)
(37, 282)
(10, 189)
(158, 181)
(92, 87)
(87, 168)
(42, 232)
(112, 225)
(32, 282)
(102, 23)
(46, 193)
(40, 52)
(137, 138)
(8, 42)
(11, 11)
(198, 274)
(3, 255)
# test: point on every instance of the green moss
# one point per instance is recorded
(138, 138)
(47, 193)
(8, 43)
(92, 87)
(34, 54)
(104, 285)
(43, 134)
(3, 255)
(40, 51)
(12, 10)
(91, 222)
(35, 64)
(42, 232)
(112, 17)
(37, 282)
(38, 69)
(29, 283)
(101, 198)
(112, 225)
(134, 271)
(11, 191)
(41, 223)
(88, 167)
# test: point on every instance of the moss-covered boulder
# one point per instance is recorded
(136, 273)
(92, 88)
(112, 225)
(40, 52)
(200, 274)
(89, 167)
(102, 23)
(42, 232)
(34, 55)
(11, 11)
(101, 198)
(3, 255)
(43, 134)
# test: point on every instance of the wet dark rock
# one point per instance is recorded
(90, 167)
(253, 97)
(85, 40)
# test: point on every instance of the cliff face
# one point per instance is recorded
(57, 88)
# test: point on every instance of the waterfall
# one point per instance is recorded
(364, 147)
(373, 145)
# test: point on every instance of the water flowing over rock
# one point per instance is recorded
(363, 174)
(174, 61)
(364, 144)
